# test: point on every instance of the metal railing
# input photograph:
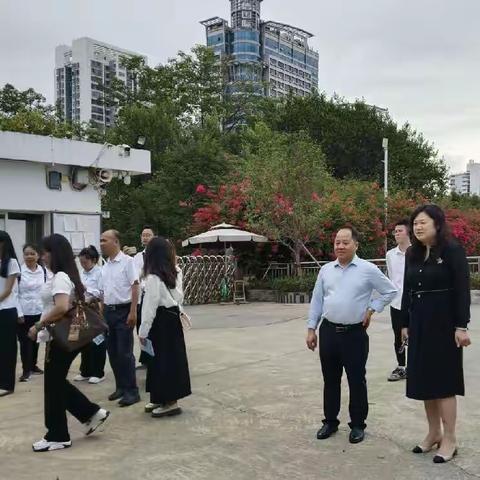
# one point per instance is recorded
(282, 270)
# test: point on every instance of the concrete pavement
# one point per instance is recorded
(256, 407)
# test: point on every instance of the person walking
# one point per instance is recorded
(58, 296)
(139, 259)
(121, 292)
(168, 377)
(33, 277)
(94, 355)
(342, 303)
(436, 313)
(395, 260)
(9, 273)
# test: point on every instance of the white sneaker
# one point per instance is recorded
(46, 446)
(97, 420)
(167, 411)
(4, 393)
(95, 380)
(79, 378)
(150, 407)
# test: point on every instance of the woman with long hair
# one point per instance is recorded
(61, 396)
(94, 355)
(33, 276)
(436, 312)
(9, 273)
(168, 377)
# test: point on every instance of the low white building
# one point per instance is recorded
(51, 185)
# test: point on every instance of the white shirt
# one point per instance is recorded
(396, 270)
(11, 301)
(118, 276)
(59, 283)
(139, 261)
(29, 288)
(92, 281)
(157, 294)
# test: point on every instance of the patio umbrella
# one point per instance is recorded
(224, 233)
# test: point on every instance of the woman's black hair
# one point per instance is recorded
(32, 246)
(91, 253)
(443, 237)
(160, 261)
(7, 253)
(63, 260)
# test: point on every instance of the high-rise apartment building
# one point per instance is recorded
(82, 72)
(273, 56)
(467, 183)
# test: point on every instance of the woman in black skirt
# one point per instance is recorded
(168, 377)
(436, 311)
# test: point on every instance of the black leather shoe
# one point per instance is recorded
(129, 399)
(356, 435)
(115, 395)
(326, 431)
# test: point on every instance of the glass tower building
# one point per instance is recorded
(274, 56)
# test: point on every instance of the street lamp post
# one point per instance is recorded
(385, 185)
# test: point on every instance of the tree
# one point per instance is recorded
(350, 135)
(286, 175)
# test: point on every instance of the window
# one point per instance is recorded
(246, 14)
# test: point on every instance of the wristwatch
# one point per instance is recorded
(371, 310)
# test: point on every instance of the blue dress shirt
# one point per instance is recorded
(343, 294)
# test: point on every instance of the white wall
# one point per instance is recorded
(23, 187)
(474, 169)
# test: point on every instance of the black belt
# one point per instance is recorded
(119, 306)
(343, 327)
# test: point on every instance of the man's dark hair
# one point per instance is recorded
(355, 234)
(404, 222)
(148, 227)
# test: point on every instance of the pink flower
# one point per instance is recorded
(201, 189)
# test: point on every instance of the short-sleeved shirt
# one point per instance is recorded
(60, 283)
(92, 281)
(118, 277)
(29, 288)
(11, 301)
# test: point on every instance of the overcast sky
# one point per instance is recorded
(418, 58)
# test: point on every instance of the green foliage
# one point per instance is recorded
(350, 135)
(475, 281)
(305, 283)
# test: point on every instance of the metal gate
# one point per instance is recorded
(205, 277)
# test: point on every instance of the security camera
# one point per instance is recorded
(124, 150)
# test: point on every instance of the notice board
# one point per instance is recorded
(80, 229)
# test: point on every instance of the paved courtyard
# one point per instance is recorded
(256, 407)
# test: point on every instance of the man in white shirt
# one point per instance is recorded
(396, 270)
(145, 237)
(120, 297)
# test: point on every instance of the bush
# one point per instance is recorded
(475, 281)
(286, 284)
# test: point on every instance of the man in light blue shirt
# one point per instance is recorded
(343, 304)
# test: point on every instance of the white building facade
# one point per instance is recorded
(467, 183)
(51, 185)
(82, 72)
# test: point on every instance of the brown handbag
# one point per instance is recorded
(80, 325)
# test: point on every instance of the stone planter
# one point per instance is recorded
(475, 294)
(257, 295)
(293, 297)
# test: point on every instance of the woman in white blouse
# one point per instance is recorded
(168, 377)
(9, 272)
(94, 355)
(32, 278)
(58, 295)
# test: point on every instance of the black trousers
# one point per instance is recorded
(120, 349)
(344, 350)
(8, 348)
(28, 347)
(61, 396)
(396, 316)
(93, 360)
(144, 357)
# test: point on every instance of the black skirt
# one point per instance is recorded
(168, 376)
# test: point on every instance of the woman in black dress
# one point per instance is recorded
(436, 311)
(168, 377)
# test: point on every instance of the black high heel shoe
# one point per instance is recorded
(444, 459)
(422, 449)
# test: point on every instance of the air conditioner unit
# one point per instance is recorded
(54, 180)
